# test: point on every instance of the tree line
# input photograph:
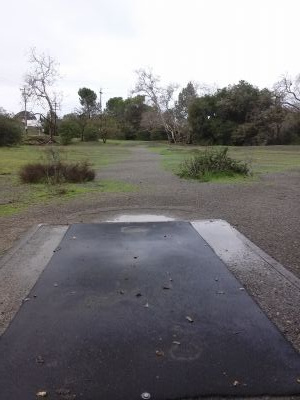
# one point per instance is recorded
(239, 114)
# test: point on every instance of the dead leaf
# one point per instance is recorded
(236, 383)
(39, 360)
(42, 394)
(298, 380)
(166, 287)
(159, 353)
(26, 299)
(74, 237)
(190, 319)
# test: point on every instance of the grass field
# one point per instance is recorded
(15, 196)
(262, 159)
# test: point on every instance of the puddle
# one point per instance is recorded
(140, 218)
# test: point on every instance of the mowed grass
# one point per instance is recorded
(15, 196)
(262, 159)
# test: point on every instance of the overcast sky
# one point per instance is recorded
(100, 43)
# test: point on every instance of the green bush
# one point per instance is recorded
(56, 173)
(68, 130)
(91, 133)
(143, 135)
(10, 131)
(210, 163)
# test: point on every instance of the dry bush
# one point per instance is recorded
(56, 173)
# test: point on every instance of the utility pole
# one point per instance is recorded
(25, 95)
(100, 97)
(55, 106)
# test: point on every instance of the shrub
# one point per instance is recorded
(79, 172)
(212, 163)
(33, 173)
(56, 172)
(10, 131)
(91, 133)
(68, 130)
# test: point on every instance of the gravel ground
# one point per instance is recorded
(266, 211)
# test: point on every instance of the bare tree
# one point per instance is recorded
(161, 98)
(151, 120)
(288, 91)
(40, 80)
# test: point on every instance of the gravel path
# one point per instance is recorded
(267, 211)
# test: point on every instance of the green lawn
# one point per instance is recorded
(262, 159)
(15, 196)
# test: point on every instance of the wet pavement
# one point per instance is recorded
(128, 309)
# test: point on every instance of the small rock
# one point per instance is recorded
(175, 342)
(159, 353)
(121, 292)
(138, 294)
(55, 284)
(235, 383)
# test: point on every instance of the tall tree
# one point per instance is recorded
(88, 101)
(161, 99)
(115, 108)
(185, 98)
(40, 80)
(288, 91)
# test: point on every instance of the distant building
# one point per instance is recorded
(32, 121)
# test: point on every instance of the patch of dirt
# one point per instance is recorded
(267, 211)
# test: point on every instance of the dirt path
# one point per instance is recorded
(267, 211)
